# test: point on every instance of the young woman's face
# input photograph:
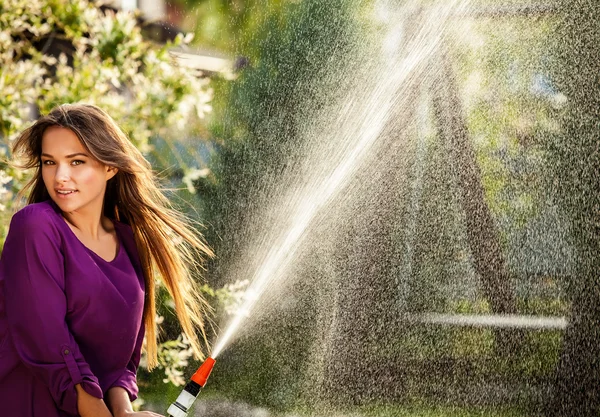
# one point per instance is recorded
(74, 179)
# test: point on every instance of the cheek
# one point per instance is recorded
(47, 177)
(91, 177)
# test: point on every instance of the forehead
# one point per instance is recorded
(58, 140)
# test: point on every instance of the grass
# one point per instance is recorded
(397, 410)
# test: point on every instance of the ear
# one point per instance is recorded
(111, 172)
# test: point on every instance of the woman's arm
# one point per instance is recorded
(90, 406)
(118, 401)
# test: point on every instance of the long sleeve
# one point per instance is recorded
(128, 379)
(36, 309)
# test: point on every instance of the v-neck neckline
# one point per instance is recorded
(92, 252)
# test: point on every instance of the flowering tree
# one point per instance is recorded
(64, 51)
(59, 51)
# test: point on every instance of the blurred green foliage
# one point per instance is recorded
(231, 27)
(297, 63)
(255, 129)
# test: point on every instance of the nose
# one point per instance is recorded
(62, 173)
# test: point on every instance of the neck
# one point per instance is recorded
(88, 224)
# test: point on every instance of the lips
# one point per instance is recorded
(65, 192)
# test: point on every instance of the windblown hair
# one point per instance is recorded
(165, 238)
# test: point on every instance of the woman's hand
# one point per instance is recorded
(120, 405)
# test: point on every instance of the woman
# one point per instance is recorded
(77, 272)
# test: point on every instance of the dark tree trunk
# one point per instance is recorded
(481, 231)
(482, 234)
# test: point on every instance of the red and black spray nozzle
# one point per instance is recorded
(181, 406)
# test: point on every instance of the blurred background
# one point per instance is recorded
(402, 194)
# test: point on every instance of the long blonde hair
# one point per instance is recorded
(165, 238)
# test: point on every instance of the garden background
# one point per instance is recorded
(493, 197)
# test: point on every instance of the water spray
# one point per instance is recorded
(360, 125)
(183, 403)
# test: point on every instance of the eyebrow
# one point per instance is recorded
(68, 156)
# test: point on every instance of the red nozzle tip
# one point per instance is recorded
(201, 375)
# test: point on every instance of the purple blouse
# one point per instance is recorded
(67, 316)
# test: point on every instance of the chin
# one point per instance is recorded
(66, 206)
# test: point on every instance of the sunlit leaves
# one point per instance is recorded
(61, 51)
